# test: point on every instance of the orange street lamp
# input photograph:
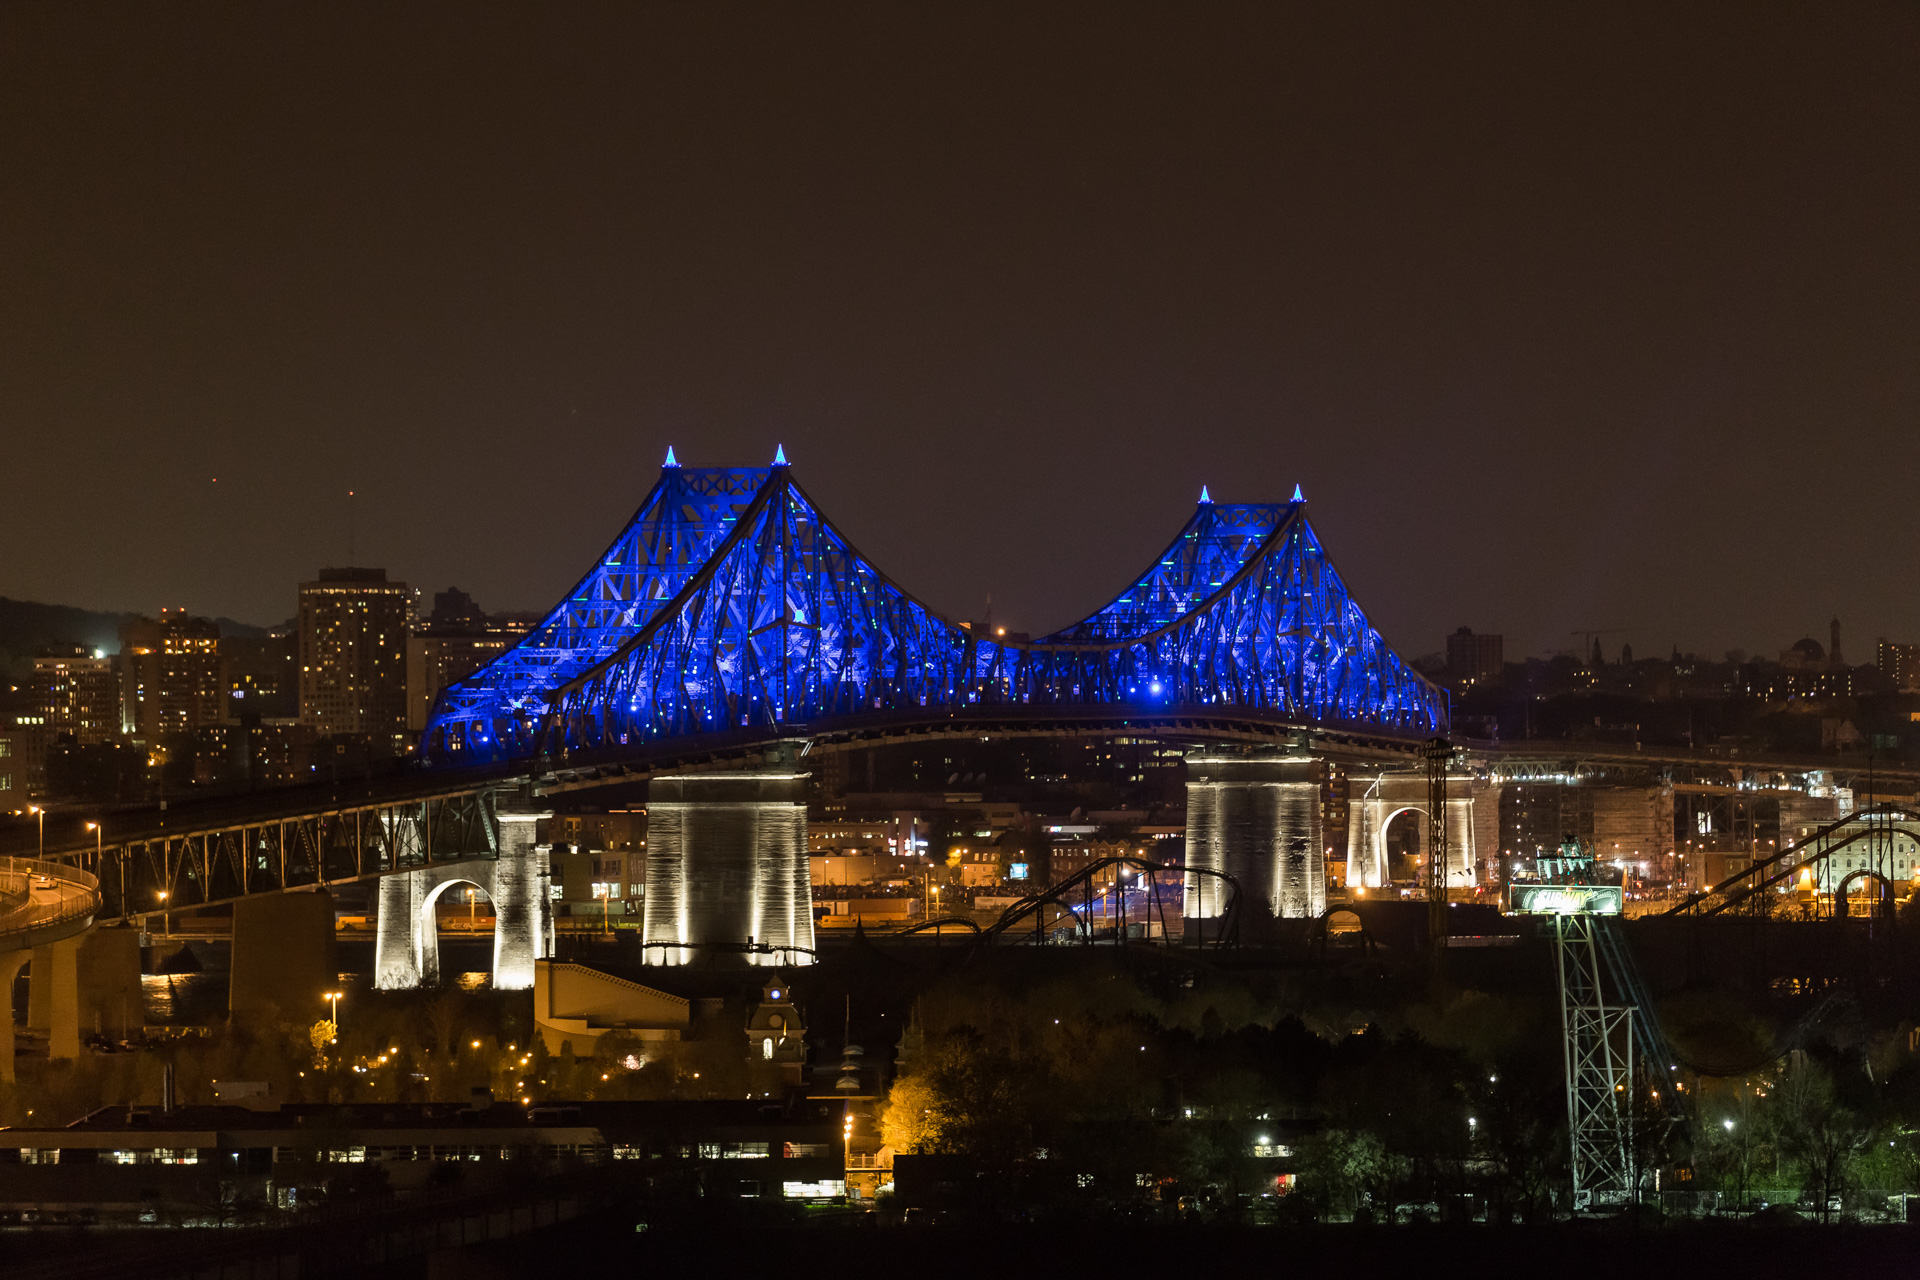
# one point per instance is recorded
(333, 998)
(36, 809)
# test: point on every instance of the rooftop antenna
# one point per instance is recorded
(350, 529)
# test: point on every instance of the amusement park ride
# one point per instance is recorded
(1600, 1032)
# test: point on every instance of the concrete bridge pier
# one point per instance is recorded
(88, 984)
(283, 957)
(727, 867)
(1256, 817)
(1473, 824)
(407, 935)
(10, 965)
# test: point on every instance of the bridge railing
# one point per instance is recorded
(24, 923)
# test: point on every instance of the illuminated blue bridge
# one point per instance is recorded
(730, 606)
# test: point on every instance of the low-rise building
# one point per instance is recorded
(253, 1162)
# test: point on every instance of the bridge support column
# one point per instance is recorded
(398, 939)
(1376, 801)
(283, 957)
(522, 906)
(86, 984)
(1256, 817)
(407, 931)
(727, 867)
(108, 976)
(10, 965)
(53, 995)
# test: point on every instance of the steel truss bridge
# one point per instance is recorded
(731, 619)
(305, 838)
(731, 608)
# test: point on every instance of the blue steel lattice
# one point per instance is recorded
(781, 623)
(684, 517)
(1211, 548)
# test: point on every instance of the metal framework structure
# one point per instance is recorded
(1873, 831)
(732, 605)
(1439, 755)
(1031, 909)
(223, 861)
(1597, 1042)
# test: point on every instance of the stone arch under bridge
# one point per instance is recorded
(407, 935)
(1374, 800)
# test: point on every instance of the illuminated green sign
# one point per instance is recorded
(1565, 899)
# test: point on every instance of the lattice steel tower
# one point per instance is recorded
(1597, 1036)
(1597, 1041)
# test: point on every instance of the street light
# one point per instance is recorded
(333, 997)
(34, 808)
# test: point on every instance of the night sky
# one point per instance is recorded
(1597, 319)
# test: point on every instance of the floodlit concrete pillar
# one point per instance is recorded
(283, 957)
(10, 963)
(1375, 801)
(407, 933)
(727, 865)
(397, 962)
(1255, 817)
(522, 909)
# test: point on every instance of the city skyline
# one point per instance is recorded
(1562, 321)
(1577, 642)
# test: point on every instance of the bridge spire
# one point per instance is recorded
(671, 460)
(1297, 495)
(1205, 497)
(779, 455)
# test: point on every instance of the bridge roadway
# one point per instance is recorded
(339, 832)
(44, 907)
(152, 850)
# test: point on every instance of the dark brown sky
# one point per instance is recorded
(1601, 318)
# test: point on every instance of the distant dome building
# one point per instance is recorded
(1805, 655)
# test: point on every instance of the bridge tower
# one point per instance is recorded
(727, 867)
(1255, 816)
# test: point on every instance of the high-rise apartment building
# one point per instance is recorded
(77, 693)
(353, 654)
(1473, 658)
(170, 674)
(1900, 663)
(260, 676)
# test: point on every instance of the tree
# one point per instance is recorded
(443, 1020)
(1824, 1138)
(1341, 1168)
(914, 1119)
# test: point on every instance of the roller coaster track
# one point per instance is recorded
(1744, 886)
(1061, 895)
